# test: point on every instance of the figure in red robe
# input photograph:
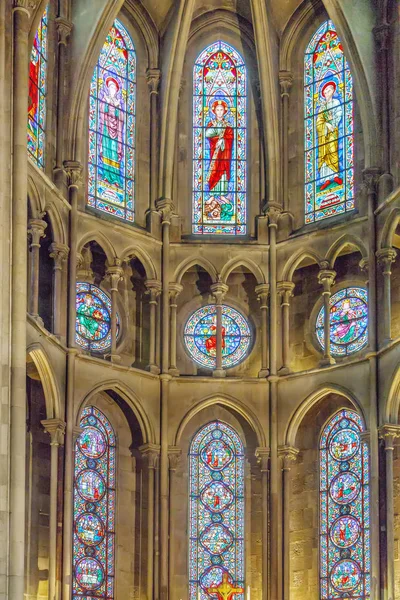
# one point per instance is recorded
(33, 98)
(211, 342)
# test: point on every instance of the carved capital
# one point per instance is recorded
(64, 28)
(288, 454)
(326, 278)
(153, 77)
(262, 456)
(153, 288)
(56, 429)
(36, 231)
(26, 6)
(385, 257)
(174, 456)
(219, 290)
(371, 179)
(115, 274)
(389, 433)
(364, 266)
(165, 207)
(174, 290)
(381, 35)
(285, 290)
(150, 452)
(262, 291)
(59, 253)
(73, 170)
(273, 212)
(285, 81)
(366, 437)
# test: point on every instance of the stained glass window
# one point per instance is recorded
(329, 127)
(93, 318)
(112, 108)
(94, 508)
(216, 513)
(344, 509)
(348, 321)
(37, 93)
(219, 141)
(200, 336)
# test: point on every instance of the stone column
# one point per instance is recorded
(115, 274)
(285, 80)
(150, 453)
(174, 291)
(219, 290)
(153, 77)
(174, 455)
(382, 36)
(64, 28)
(56, 429)
(262, 456)
(17, 415)
(326, 278)
(262, 292)
(386, 257)
(154, 290)
(285, 289)
(36, 231)
(389, 433)
(288, 455)
(59, 253)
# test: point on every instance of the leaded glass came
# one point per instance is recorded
(37, 93)
(216, 513)
(200, 336)
(93, 318)
(348, 321)
(329, 127)
(94, 508)
(219, 141)
(344, 509)
(112, 108)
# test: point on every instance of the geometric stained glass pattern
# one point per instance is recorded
(328, 126)
(219, 141)
(216, 512)
(94, 508)
(112, 108)
(93, 318)
(348, 321)
(200, 336)
(37, 93)
(344, 509)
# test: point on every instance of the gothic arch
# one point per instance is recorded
(233, 404)
(296, 260)
(392, 404)
(300, 412)
(34, 198)
(102, 240)
(56, 223)
(233, 21)
(237, 262)
(191, 262)
(134, 251)
(345, 240)
(391, 222)
(48, 381)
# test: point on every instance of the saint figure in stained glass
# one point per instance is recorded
(329, 128)
(37, 93)
(112, 126)
(93, 318)
(219, 141)
(216, 520)
(344, 509)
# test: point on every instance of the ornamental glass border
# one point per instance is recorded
(219, 142)
(200, 338)
(94, 508)
(93, 318)
(216, 511)
(328, 127)
(112, 124)
(36, 127)
(344, 549)
(348, 321)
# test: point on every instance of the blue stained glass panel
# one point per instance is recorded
(93, 318)
(216, 512)
(94, 508)
(344, 509)
(219, 141)
(112, 114)
(328, 126)
(37, 93)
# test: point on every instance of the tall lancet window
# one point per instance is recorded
(216, 514)
(112, 108)
(94, 508)
(37, 93)
(219, 142)
(344, 509)
(329, 127)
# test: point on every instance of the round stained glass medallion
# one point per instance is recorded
(216, 538)
(92, 442)
(93, 318)
(344, 444)
(348, 321)
(216, 455)
(345, 532)
(201, 336)
(89, 529)
(212, 577)
(216, 497)
(344, 488)
(89, 573)
(91, 485)
(345, 575)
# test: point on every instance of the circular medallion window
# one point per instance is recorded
(93, 318)
(200, 336)
(348, 319)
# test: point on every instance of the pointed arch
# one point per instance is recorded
(191, 262)
(216, 513)
(295, 261)
(245, 262)
(219, 204)
(345, 240)
(328, 127)
(102, 241)
(112, 116)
